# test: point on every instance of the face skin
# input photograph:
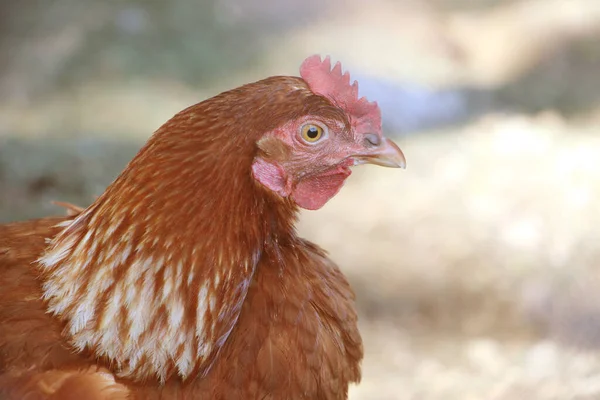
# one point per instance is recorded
(309, 158)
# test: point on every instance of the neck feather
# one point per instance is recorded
(152, 276)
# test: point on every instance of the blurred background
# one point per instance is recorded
(476, 269)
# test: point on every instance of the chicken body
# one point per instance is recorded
(296, 336)
(185, 279)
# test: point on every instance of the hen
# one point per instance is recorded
(185, 278)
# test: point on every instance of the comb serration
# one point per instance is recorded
(335, 86)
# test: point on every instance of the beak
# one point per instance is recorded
(387, 154)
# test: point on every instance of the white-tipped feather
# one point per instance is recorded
(119, 328)
(185, 361)
(175, 311)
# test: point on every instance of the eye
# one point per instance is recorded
(312, 133)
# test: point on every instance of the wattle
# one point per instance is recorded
(314, 191)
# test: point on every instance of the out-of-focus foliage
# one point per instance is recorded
(66, 42)
(476, 269)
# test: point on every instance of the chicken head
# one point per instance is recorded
(308, 158)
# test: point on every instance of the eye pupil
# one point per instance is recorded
(311, 133)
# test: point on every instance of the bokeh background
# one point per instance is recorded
(476, 269)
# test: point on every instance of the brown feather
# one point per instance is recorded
(185, 279)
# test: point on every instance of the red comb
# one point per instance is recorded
(365, 116)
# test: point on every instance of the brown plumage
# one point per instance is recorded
(185, 278)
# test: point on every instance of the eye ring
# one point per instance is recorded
(311, 133)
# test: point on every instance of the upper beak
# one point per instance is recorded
(386, 154)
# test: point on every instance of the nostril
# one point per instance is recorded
(372, 139)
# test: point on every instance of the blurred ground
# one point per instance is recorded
(475, 269)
